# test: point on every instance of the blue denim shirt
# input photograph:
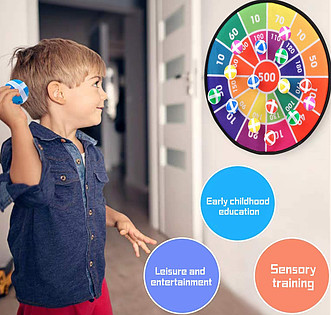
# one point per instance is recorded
(57, 228)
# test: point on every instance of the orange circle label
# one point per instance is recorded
(268, 73)
(291, 275)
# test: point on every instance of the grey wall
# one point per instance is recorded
(135, 101)
(300, 178)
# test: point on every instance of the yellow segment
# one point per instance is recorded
(245, 101)
(279, 16)
(258, 111)
(302, 33)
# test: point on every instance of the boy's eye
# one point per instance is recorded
(96, 83)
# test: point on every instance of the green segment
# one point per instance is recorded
(232, 30)
(254, 17)
(272, 118)
(287, 102)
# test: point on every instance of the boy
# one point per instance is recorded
(55, 175)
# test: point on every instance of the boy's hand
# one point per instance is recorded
(10, 113)
(137, 239)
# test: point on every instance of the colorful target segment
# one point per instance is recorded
(272, 60)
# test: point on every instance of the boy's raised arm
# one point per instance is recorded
(25, 165)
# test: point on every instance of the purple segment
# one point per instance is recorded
(247, 138)
(274, 43)
(231, 123)
(290, 48)
(221, 83)
(294, 67)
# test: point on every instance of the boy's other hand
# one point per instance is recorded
(127, 229)
(10, 113)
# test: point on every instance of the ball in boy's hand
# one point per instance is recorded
(22, 88)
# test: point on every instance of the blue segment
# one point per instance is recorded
(194, 277)
(293, 68)
(237, 203)
(219, 58)
(220, 83)
(231, 123)
(295, 86)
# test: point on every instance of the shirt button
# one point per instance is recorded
(90, 212)
(92, 237)
(40, 147)
(86, 186)
(78, 161)
(91, 263)
(63, 178)
(63, 140)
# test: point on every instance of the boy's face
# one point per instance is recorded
(84, 103)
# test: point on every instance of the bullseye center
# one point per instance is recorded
(268, 74)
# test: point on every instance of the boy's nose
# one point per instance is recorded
(104, 95)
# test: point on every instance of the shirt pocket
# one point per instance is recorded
(100, 179)
(67, 190)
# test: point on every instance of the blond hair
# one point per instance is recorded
(53, 59)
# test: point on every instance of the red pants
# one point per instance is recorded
(100, 306)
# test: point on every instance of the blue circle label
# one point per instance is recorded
(237, 203)
(181, 276)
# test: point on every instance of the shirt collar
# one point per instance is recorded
(43, 133)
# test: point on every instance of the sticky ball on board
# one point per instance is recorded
(253, 81)
(261, 47)
(230, 72)
(214, 96)
(22, 88)
(254, 125)
(305, 85)
(309, 103)
(285, 33)
(237, 47)
(284, 86)
(271, 106)
(293, 117)
(281, 56)
(270, 137)
(232, 106)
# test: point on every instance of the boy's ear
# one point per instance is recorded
(56, 92)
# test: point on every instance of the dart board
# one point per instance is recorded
(267, 77)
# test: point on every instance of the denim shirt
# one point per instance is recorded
(57, 228)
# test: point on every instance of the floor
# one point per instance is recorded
(124, 272)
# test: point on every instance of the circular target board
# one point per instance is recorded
(270, 59)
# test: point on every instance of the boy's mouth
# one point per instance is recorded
(100, 107)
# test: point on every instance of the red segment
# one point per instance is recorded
(243, 68)
(318, 91)
(249, 53)
(268, 74)
(284, 137)
(307, 121)
(260, 35)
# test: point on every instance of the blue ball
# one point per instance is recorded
(22, 88)
(253, 81)
(232, 106)
(261, 47)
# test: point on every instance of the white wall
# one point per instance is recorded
(300, 178)
(23, 32)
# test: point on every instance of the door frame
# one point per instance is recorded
(154, 116)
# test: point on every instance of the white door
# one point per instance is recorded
(178, 117)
